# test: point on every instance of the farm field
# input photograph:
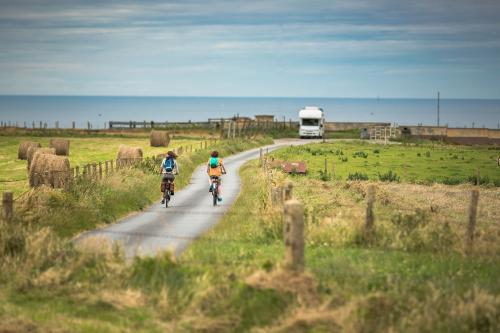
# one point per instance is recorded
(13, 172)
(412, 163)
(412, 277)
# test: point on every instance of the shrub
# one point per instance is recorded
(344, 159)
(389, 177)
(360, 154)
(427, 154)
(324, 176)
(357, 176)
(418, 154)
(376, 151)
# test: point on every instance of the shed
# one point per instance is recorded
(264, 118)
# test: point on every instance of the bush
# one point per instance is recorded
(389, 177)
(357, 176)
(360, 154)
(324, 176)
(376, 151)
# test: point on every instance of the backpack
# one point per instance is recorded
(168, 165)
(214, 162)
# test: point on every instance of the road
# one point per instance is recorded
(191, 213)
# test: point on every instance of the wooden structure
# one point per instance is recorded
(295, 167)
(384, 133)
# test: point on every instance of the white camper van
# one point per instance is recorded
(312, 122)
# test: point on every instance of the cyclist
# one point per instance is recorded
(215, 169)
(169, 168)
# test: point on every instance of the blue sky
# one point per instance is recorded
(336, 48)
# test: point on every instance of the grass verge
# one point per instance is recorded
(92, 203)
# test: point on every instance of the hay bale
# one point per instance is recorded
(50, 170)
(32, 151)
(128, 155)
(61, 146)
(23, 148)
(159, 139)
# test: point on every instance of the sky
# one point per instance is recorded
(335, 48)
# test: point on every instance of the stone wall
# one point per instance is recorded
(345, 126)
(456, 135)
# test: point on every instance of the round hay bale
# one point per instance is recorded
(128, 155)
(50, 170)
(23, 148)
(61, 146)
(32, 151)
(159, 139)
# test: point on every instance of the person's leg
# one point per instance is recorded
(163, 188)
(219, 189)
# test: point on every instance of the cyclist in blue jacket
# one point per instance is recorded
(169, 168)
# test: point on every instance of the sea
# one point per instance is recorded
(99, 110)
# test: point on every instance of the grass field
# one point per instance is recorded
(13, 173)
(416, 163)
(412, 278)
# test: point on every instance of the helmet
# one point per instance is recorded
(215, 153)
(171, 153)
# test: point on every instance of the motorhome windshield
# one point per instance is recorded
(310, 122)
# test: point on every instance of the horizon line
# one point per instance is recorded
(222, 96)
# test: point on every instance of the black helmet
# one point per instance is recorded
(215, 153)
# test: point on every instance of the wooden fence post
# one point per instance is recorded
(277, 196)
(288, 191)
(106, 168)
(333, 170)
(77, 172)
(111, 165)
(293, 232)
(100, 170)
(369, 218)
(56, 179)
(326, 167)
(94, 170)
(7, 206)
(471, 226)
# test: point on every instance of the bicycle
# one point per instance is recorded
(215, 189)
(166, 186)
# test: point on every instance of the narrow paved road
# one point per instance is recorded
(190, 215)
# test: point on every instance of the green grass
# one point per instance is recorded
(405, 282)
(388, 285)
(89, 204)
(425, 164)
(13, 173)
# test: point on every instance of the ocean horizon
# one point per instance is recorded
(99, 110)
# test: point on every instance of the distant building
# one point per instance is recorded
(263, 118)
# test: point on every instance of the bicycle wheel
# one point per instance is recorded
(214, 195)
(167, 198)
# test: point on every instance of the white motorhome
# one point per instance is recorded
(312, 122)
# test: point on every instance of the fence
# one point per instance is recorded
(280, 197)
(98, 170)
(293, 214)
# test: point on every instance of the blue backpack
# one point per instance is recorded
(214, 162)
(168, 165)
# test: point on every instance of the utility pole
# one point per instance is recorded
(438, 108)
